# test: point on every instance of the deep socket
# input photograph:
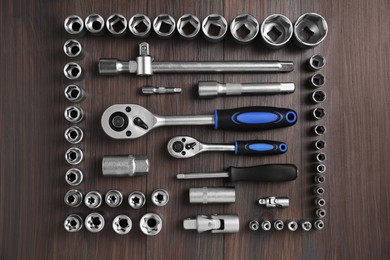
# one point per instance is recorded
(310, 29)
(208, 195)
(125, 165)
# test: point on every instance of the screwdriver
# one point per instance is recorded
(263, 173)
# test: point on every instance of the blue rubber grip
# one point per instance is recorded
(254, 118)
(260, 147)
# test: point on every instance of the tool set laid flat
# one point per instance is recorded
(130, 121)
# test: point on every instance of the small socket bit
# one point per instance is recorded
(319, 179)
(113, 198)
(74, 134)
(74, 156)
(317, 62)
(125, 165)
(137, 199)
(208, 195)
(318, 96)
(319, 224)
(73, 49)
(320, 213)
(94, 222)
(140, 25)
(213, 223)
(214, 27)
(74, 93)
(319, 144)
(74, 177)
(320, 157)
(150, 224)
(122, 224)
(188, 26)
(94, 24)
(320, 202)
(210, 89)
(73, 71)
(318, 190)
(74, 114)
(160, 90)
(74, 25)
(254, 225)
(93, 199)
(319, 130)
(306, 225)
(266, 225)
(73, 198)
(320, 168)
(274, 202)
(160, 197)
(318, 113)
(73, 223)
(279, 224)
(317, 80)
(164, 26)
(292, 225)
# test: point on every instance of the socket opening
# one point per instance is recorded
(188, 25)
(310, 29)
(73, 24)
(276, 30)
(140, 25)
(164, 25)
(319, 113)
(320, 130)
(116, 24)
(317, 80)
(244, 28)
(72, 48)
(72, 71)
(317, 62)
(320, 144)
(319, 96)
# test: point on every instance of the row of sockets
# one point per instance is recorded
(291, 225)
(310, 29)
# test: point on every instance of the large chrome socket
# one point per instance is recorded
(140, 25)
(276, 30)
(73, 49)
(244, 28)
(164, 26)
(117, 25)
(188, 26)
(310, 29)
(214, 27)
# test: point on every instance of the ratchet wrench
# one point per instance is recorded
(129, 121)
(187, 146)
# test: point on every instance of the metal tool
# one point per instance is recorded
(188, 26)
(320, 157)
(319, 179)
(279, 224)
(274, 202)
(187, 146)
(125, 165)
(93, 199)
(317, 62)
(310, 29)
(73, 223)
(160, 90)
(207, 195)
(113, 198)
(292, 225)
(214, 27)
(319, 130)
(164, 26)
(266, 225)
(74, 114)
(319, 144)
(319, 191)
(318, 96)
(320, 202)
(319, 224)
(320, 168)
(254, 225)
(318, 113)
(317, 80)
(94, 23)
(145, 65)
(140, 25)
(276, 30)
(74, 25)
(73, 71)
(122, 224)
(214, 223)
(94, 222)
(74, 93)
(210, 89)
(264, 173)
(244, 28)
(160, 197)
(73, 198)
(137, 199)
(74, 134)
(117, 25)
(74, 156)
(73, 49)
(128, 121)
(74, 177)
(320, 213)
(306, 225)
(150, 224)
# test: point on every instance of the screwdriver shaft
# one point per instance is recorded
(202, 175)
(160, 90)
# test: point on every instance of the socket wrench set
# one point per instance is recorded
(130, 121)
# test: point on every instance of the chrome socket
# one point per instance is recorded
(113, 198)
(319, 191)
(73, 49)
(160, 197)
(137, 199)
(214, 27)
(74, 156)
(319, 144)
(266, 225)
(74, 135)
(244, 28)
(150, 224)
(73, 223)
(140, 25)
(310, 29)
(74, 25)
(319, 130)
(94, 222)
(306, 225)
(122, 224)
(188, 26)
(274, 202)
(254, 225)
(320, 168)
(207, 195)
(74, 93)
(319, 224)
(319, 179)
(93, 199)
(94, 23)
(73, 198)
(318, 113)
(292, 225)
(73, 71)
(279, 225)
(74, 177)
(74, 114)
(317, 62)
(318, 96)
(276, 30)
(320, 202)
(317, 80)
(320, 213)
(320, 157)
(125, 165)
(117, 25)
(164, 26)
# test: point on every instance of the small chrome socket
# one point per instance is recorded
(254, 225)
(317, 80)
(74, 134)
(117, 25)
(319, 224)
(137, 199)
(320, 157)
(140, 25)
(122, 224)
(279, 224)
(306, 225)
(319, 130)
(93, 199)
(318, 113)
(319, 179)
(188, 26)
(310, 29)
(74, 93)
(319, 191)
(74, 156)
(244, 28)
(94, 222)
(276, 30)
(320, 202)
(73, 49)
(266, 225)
(214, 27)
(292, 225)
(74, 177)
(160, 197)
(73, 223)
(164, 26)
(320, 168)
(318, 96)
(319, 144)
(74, 114)
(73, 71)
(73, 198)
(74, 25)
(316, 62)
(320, 213)
(94, 23)
(150, 224)
(113, 198)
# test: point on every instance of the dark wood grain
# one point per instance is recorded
(32, 162)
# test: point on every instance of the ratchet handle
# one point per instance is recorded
(264, 173)
(254, 118)
(259, 147)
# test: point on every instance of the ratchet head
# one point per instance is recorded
(184, 147)
(127, 121)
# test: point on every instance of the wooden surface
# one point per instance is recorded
(32, 143)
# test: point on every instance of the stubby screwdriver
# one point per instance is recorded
(263, 173)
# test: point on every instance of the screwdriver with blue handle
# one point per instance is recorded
(261, 173)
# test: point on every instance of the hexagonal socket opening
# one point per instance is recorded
(319, 113)
(74, 135)
(320, 144)
(74, 114)
(310, 29)
(72, 71)
(318, 96)
(74, 176)
(140, 25)
(188, 26)
(317, 80)
(276, 30)
(214, 27)
(74, 93)
(244, 28)
(317, 62)
(164, 25)
(72, 48)
(319, 130)
(74, 24)
(94, 23)
(116, 24)
(321, 157)
(74, 156)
